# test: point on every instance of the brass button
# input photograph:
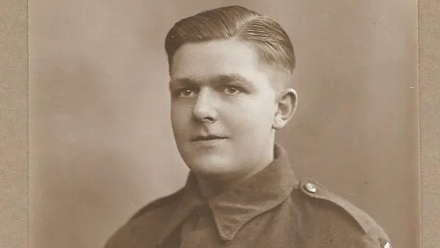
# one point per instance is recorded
(310, 187)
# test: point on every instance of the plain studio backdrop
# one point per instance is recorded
(101, 143)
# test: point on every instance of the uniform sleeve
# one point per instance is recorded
(373, 239)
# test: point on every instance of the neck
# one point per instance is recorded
(211, 185)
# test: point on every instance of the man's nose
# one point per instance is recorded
(204, 108)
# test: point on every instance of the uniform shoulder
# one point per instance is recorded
(321, 197)
(158, 204)
(145, 224)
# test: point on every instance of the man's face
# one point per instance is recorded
(223, 105)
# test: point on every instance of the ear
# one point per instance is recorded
(287, 102)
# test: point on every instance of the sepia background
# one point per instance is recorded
(100, 137)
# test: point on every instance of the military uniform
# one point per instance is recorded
(270, 209)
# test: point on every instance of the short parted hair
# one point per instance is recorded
(266, 36)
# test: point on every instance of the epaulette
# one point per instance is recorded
(314, 190)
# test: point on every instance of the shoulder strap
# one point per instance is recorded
(312, 189)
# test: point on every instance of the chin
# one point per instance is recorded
(210, 167)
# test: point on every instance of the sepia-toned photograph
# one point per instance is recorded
(223, 124)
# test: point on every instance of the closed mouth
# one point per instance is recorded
(207, 137)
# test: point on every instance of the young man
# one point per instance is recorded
(230, 70)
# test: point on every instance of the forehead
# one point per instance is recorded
(213, 58)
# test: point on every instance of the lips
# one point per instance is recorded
(207, 141)
(207, 137)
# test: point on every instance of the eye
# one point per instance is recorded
(185, 93)
(231, 90)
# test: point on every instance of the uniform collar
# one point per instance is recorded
(235, 207)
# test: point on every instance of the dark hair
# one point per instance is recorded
(268, 38)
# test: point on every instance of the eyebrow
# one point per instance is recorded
(217, 80)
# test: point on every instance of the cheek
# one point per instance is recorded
(180, 116)
(254, 115)
(263, 107)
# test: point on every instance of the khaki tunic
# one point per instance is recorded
(270, 209)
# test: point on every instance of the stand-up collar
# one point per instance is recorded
(235, 207)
